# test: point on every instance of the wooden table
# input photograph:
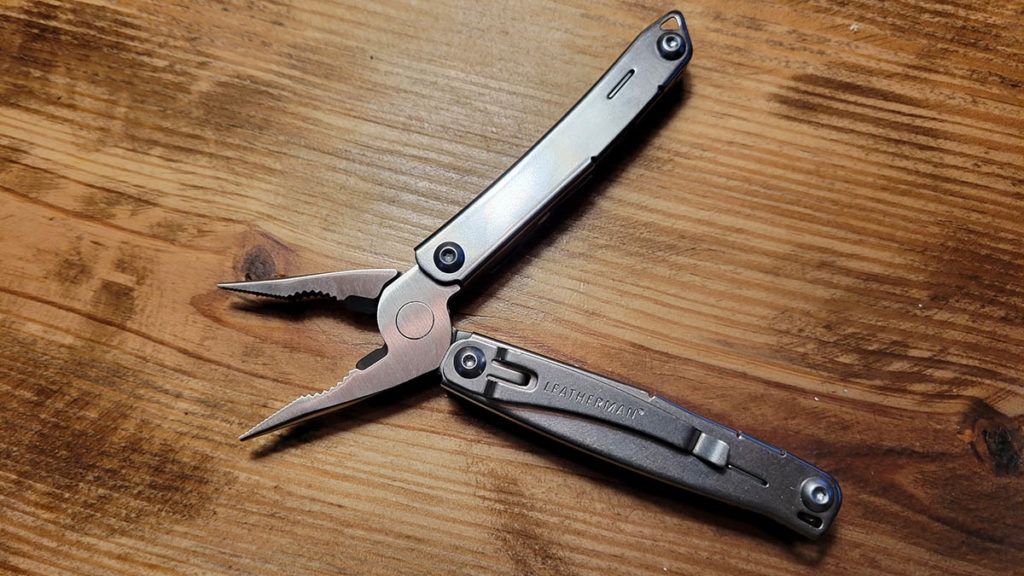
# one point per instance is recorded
(819, 243)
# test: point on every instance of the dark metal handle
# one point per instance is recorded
(646, 433)
(558, 163)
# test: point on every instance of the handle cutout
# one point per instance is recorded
(620, 84)
(813, 521)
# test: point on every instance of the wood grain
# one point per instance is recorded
(818, 242)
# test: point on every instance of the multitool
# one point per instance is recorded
(612, 420)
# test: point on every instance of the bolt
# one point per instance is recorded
(816, 494)
(449, 257)
(470, 362)
(671, 45)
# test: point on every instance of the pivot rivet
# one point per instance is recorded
(449, 257)
(671, 45)
(415, 320)
(470, 362)
(816, 495)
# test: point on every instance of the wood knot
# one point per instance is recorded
(258, 264)
(263, 257)
(995, 438)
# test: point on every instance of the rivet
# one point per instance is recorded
(449, 257)
(671, 45)
(816, 495)
(470, 362)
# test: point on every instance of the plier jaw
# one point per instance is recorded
(357, 289)
(412, 317)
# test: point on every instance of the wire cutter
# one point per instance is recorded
(610, 419)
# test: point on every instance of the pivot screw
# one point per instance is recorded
(816, 494)
(449, 257)
(470, 362)
(671, 45)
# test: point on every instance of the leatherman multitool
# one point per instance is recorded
(612, 420)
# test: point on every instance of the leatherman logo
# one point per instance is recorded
(593, 401)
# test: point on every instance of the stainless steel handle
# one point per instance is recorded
(632, 428)
(561, 159)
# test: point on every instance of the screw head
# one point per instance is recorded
(470, 362)
(671, 45)
(817, 495)
(449, 257)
